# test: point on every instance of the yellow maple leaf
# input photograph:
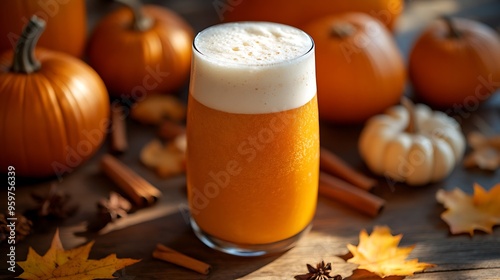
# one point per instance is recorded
(60, 264)
(379, 254)
(466, 213)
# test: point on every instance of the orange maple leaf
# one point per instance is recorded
(467, 213)
(59, 264)
(379, 254)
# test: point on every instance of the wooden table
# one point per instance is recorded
(412, 212)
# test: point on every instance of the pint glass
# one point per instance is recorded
(253, 137)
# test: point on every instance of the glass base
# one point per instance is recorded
(247, 250)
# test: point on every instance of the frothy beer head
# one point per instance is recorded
(253, 68)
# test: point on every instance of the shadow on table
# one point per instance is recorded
(139, 241)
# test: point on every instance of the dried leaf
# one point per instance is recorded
(485, 151)
(379, 253)
(157, 107)
(466, 213)
(73, 264)
(166, 160)
(170, 130)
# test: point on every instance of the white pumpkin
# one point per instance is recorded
(412, 144)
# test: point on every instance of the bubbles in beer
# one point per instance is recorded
(250, 43)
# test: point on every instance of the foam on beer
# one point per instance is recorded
(253, 68)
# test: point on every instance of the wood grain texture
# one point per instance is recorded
(412, 212)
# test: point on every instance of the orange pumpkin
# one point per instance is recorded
(138, 49)
(54, 109)
(299, 12)
(360, 70)
(455, 63)
(66, 29)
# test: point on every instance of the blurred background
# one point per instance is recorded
(416, 14)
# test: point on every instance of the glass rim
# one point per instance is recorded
(211, 58)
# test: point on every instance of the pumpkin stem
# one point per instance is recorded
(342, 30)
(452, 30)
(24, 60)
(412, 119)
(141, 22)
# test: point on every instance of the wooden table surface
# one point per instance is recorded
(412, 212)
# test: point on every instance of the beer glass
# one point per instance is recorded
(252, 137)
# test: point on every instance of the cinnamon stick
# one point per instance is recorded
(346, 193)
(137, 188)
(119, 142)
(333, 164)
(167, 254)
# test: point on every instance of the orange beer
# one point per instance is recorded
(253, 136)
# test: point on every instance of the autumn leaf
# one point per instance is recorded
(466, 213)
(485, 151)
(157, 107)
(58, 264)
(166, 160)
(379, 254)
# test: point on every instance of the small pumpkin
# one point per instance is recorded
(300, 12)
(54, 109)
(138, 49)
(455, 62)
(360, 70)
(412, 144)
(66, 29)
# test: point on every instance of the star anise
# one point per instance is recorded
(321, 272)
(110, 210)
(55, 204)
(116, 206)
(22, 224)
